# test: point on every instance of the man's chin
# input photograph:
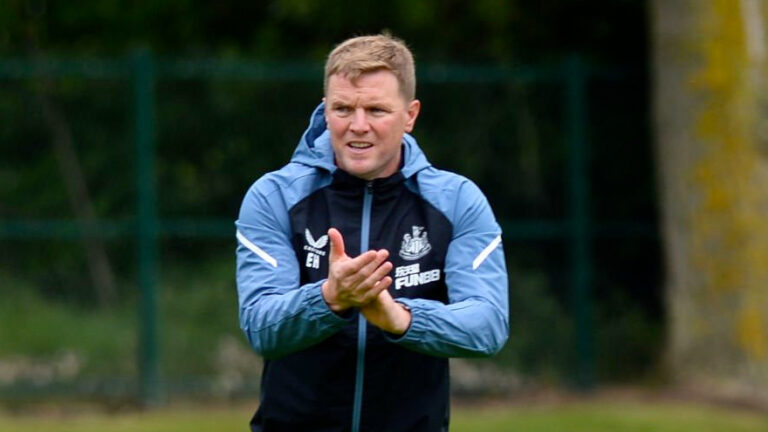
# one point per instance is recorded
(357, 169)
(365, 175)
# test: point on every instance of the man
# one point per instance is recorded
(360, 267)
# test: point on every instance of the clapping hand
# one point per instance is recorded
(354, 282)
(362, 282)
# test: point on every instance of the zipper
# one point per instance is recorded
(365, 230)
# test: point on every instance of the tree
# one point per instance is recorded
(711, 110)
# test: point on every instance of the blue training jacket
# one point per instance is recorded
(329, 372)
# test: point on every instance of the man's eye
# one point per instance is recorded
(343, 110)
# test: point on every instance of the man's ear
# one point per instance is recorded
(414, 107)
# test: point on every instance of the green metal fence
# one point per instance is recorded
(147, 227)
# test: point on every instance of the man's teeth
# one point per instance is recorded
(359, 145)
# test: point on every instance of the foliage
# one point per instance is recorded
(198, 312)
(38, 330)
(540, 331)
(509, 31)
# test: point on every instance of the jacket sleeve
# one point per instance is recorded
(475, 321)
(277, 315)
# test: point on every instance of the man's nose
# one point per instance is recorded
(359, 122)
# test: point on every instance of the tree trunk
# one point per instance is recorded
(711, 114)
(99, 267)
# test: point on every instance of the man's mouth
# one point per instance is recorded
(359, 145)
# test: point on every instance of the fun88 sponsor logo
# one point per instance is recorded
(411, 276)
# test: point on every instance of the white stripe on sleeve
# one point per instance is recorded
(487, 251)
(257, 250)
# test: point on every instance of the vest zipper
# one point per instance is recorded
(365, 231)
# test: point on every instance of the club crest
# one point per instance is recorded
(415, 245)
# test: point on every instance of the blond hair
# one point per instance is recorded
(362, 54)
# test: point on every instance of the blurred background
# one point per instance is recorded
(621, 143)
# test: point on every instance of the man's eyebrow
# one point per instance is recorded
(376, 103)
(338, 102)
(379, 104)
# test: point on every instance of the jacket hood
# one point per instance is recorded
(315, 148)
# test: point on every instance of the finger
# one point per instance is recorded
(367, 268)
(371, 288)
(337, 245)
(377, 290)
(360, 279)
(353, 268)
(376, 276)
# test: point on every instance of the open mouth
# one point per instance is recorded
(360, 145)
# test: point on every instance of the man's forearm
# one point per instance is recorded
(279, 324)
(472, 328)
(387, 314)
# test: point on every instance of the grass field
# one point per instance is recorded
(583, 416)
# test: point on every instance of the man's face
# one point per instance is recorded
(367, 119)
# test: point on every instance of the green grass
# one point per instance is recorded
(589, 416)
(608, 416)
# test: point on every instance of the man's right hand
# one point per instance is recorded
(354, 282)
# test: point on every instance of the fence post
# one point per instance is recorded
(579, 220)
(146, 226)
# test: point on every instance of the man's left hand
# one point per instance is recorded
(387, 314)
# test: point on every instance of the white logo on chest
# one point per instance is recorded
(411, 276)
(415, 246)
(314, 249)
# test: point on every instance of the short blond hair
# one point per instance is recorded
(362, 54)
